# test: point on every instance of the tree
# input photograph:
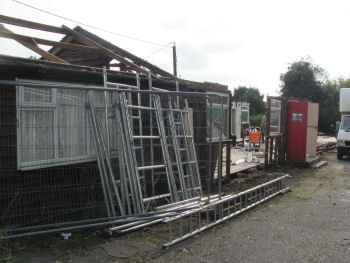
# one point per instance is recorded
(251, 95)
(303, 80)
(308, 81)
(329, 106)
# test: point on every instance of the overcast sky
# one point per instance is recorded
(232, 42)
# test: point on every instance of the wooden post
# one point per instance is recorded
(280, 157)
(228, 159)
(267, 125)
(276, 151)
(174, 59)
(271, 150)
(284, 116)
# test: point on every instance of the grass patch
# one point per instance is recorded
(6, 257)
(139, 257)
(5, 251)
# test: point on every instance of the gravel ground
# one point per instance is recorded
(309, 224)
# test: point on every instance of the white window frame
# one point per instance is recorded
(276, 109)
(217, 106)
(245, 108)
(51, 106)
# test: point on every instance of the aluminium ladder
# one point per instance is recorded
(186, 153)
(181, 175)
(132, 163)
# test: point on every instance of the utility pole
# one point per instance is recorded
(174, 59)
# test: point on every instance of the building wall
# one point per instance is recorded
(70, 192)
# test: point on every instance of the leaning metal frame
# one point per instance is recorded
(113, 220)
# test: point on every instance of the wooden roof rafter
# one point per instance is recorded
(88, 44)
(11, 35)
(87, 41)
(31, 43)
(125, 54)
(33, 25)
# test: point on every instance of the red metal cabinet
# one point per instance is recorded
(297, 130)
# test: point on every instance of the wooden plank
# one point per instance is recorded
(63, 66)
(105, 51)
(46, 42)
(271, 150)
(267, 132)
(276, 151)
(56, 50)
(33, 25)
(280, 149)
(228, 158)
(32, 45)
(284, 120)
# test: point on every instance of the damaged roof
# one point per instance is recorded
(80, 49)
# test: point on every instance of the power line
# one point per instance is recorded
(156, 51)
(100, 29)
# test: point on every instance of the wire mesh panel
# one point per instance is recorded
(71, 154)
(48, 173)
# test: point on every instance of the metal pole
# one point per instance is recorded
(220, 149)
(99, 143)
(102, 177)
(122, 171)
(28, 83)
(114, 222)
(106, 111)
(72, 223)
(139, 114)
(210, 148)
(151, 133)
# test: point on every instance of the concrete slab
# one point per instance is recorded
(319, 164)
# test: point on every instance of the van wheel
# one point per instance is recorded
(339, 156)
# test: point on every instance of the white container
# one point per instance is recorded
(344, 102)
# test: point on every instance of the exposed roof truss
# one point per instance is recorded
(84, 42)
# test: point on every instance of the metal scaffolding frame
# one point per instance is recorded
(115, 192)
(126, 191)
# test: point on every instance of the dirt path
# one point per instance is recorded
(309, 224)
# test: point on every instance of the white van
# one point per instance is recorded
(343, 137)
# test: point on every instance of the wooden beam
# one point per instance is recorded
(284, 117)
(56, 50)
(55, 64)
(144, 63)
(47, 42)
(271, 149)
(33, 25)
(105, 51)
(125, 54)
(32, 45)
(267, 131)
(115, 64)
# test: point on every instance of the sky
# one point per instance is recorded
(236, 43)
